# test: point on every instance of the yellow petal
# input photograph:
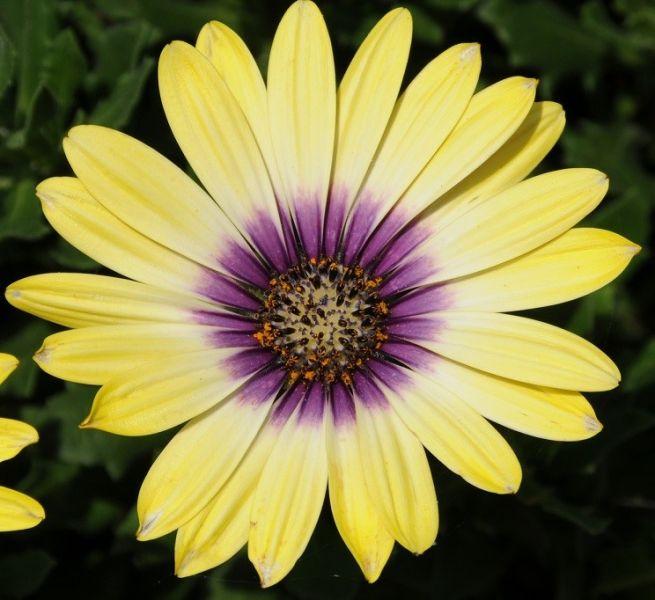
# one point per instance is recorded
(524, 350)
(236, 65)
(93, 355)
(423, 118)
(195, 464)
(538, 411)
(577, 263)
(302, 109)
(520, 219)
(148, 192)
(288, 499)
(489, 120)
(14, 436)
(7, 365)
(355, 513)
(158, 395)
(458, 436)
(18, 511)
(82, 300)
(214, 134)
(366, 97)
(221, 529)
(81, 220)
(398, 477)
(514, 161)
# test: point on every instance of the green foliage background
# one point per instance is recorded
(583, 523)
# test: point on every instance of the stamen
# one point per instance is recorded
(324, 320)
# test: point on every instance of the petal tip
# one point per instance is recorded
(145, 531)
(592, 424)
(470, 52)
(633, 249)
(87, 423)
(183, 565)
(267, 573)
(42, 356)
(530, 83)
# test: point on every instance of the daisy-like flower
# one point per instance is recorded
(335, 300)
(17, 511)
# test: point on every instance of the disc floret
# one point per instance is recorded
(324, 319)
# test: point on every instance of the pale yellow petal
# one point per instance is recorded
(489, 120)
(195, 464)
(538, 411)
(514, 161)
(354, 511)
(236, 65)
(398, 477)
(302, 110)
(18, 511)
(288, 499)
(82, 300)
(94, 355)
(423, 118)
(7, 365)
(81, 220)
(523, 349)
(148, 192)
(576, 263)
(366, 97)
(214, 134)
(522, 218)
(458, 436)
(14, 436)
(222, 528)
(156, 396)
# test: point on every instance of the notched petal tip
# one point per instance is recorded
(592, 424)
(470, 52)
(43, 355)
(12, 294)
(182, 564)
(87, 423)
(267, 578)
(633, 249)
(145, 530)
(531, 83)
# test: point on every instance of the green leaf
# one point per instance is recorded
(120, 48)
(541, 35)
(641, 373)
(31, 26)
(21, 216)
(65, 68)
(175, 18)
(7, 61)
(92, 448)
(116, 110)
(426, 29)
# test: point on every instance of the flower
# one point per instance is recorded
(335, 301)
(17, 511)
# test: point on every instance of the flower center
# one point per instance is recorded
(323, 319)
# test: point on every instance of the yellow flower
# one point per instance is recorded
(334, 299)
(17, 511)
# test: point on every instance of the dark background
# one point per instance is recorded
(583, 523)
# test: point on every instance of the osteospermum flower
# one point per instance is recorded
(17, 511)
(334, 301)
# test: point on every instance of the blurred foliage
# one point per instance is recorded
(583, 524)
